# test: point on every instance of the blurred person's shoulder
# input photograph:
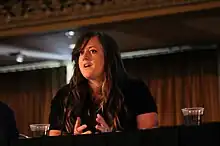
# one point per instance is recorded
(4, 108)
(8, 128)
(5, 113)
(3, 105)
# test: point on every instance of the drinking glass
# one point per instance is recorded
(39, 130)
(193, 115)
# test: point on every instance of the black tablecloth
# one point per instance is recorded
(204, 135)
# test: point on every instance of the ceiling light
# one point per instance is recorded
(70, 34)
(19, 58)
(72, 46)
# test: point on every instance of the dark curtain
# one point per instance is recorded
(180, 80)
(29, 94)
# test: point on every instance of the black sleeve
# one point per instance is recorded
(143, 101)
(12, 129)
(56, 116)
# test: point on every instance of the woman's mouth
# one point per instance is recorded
(86, 65)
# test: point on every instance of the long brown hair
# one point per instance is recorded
(115, 75)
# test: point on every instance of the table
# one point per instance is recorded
(203, 135)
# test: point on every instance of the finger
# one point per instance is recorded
(81, 128)
(102, 129)
(78, 123)
(87, 132)
(101, 120)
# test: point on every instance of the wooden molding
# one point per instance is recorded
(28, 16)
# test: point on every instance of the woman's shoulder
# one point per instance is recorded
(64, 89)
(62, 92)
(134, 86)
(138, 96)
(134, 83)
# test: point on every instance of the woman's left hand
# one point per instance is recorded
(102, 125)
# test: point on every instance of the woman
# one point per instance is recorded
(101, 97)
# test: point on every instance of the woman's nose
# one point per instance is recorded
(86, 55)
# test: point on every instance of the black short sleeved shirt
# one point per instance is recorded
(137, 100)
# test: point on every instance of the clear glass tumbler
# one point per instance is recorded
(39, 130)
(193, 115)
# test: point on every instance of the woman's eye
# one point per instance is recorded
(93, 51)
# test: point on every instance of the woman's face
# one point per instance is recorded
(91, 60)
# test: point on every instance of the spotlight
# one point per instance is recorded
(19, 58)
(72, 46)
(70, 34)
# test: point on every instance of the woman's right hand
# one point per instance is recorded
(78, 128)
(54, 133)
